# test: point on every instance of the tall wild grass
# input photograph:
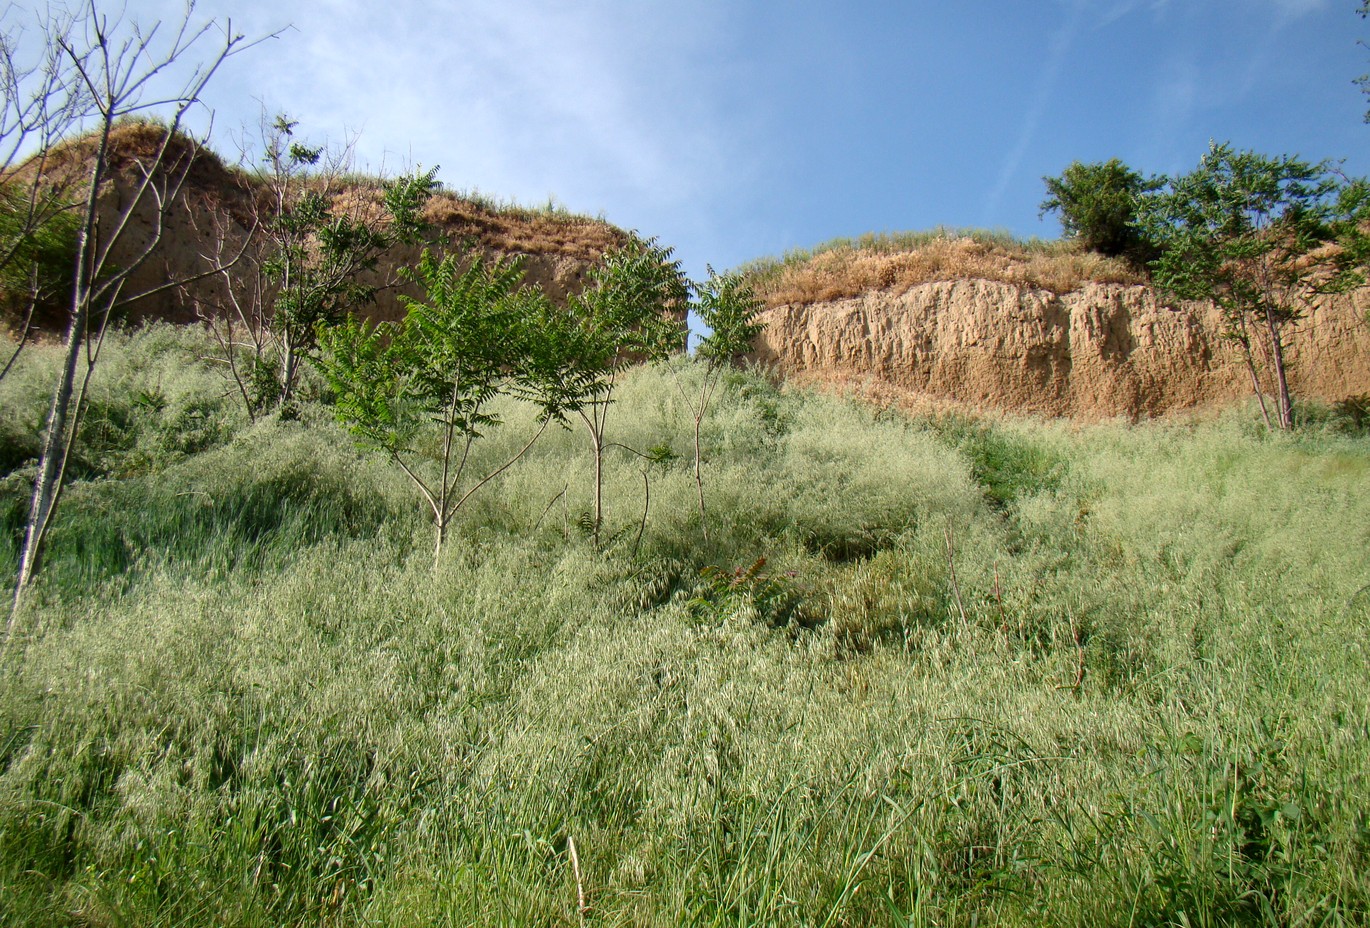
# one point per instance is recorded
(945, 671)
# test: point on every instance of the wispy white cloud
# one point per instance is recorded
(1042, 96)
(592, 103)
(1193, 82)
(1175, 100)
(1110, 11)
(1294, 9)
(606, 106)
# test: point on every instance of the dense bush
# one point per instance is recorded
(1353, 414)
(1097, 203)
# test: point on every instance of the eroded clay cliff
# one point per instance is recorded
(1097, 351)
(217, 208)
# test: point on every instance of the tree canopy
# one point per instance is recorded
(1261, 237)
(1098, 203)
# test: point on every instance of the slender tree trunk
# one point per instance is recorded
(596, 431)
(699, 478)
(289, 362)
(442, 510)
(440, 524)
(52, 460)
(448, 503)
(697, 411)
(1245, 342)
(646, 508)
(598, 438)
(1286, 407)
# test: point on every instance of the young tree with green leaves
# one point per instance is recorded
(321, 238)
(728, 306)
(318, 251)
(1098, 203)
(477, 334)
(622, 317)
(1261, 237)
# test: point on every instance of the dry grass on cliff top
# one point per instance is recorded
(501, 225)
(896, 261)
(66, 165)
(510, 227)
(506, 228)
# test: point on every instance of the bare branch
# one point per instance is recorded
(113, 69)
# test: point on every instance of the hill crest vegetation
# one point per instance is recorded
(847, 267)
(499, 224)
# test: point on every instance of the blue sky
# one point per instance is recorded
(733, 130)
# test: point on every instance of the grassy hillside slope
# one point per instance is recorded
(990, 672)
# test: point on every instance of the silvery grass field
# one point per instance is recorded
(937, 671)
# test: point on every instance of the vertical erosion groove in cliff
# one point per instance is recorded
(1099, 350)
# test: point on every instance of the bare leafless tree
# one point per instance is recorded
(40, 103)
(127, 71)
(236, 308)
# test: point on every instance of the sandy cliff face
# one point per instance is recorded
(212, 215)
(1099, 351)
(557, 252)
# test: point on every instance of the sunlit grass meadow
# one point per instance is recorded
(989, 672)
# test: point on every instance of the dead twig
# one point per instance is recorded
(549, 506)
(999, 600)
(951, 567)
(1079, 662)
(581, 907)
